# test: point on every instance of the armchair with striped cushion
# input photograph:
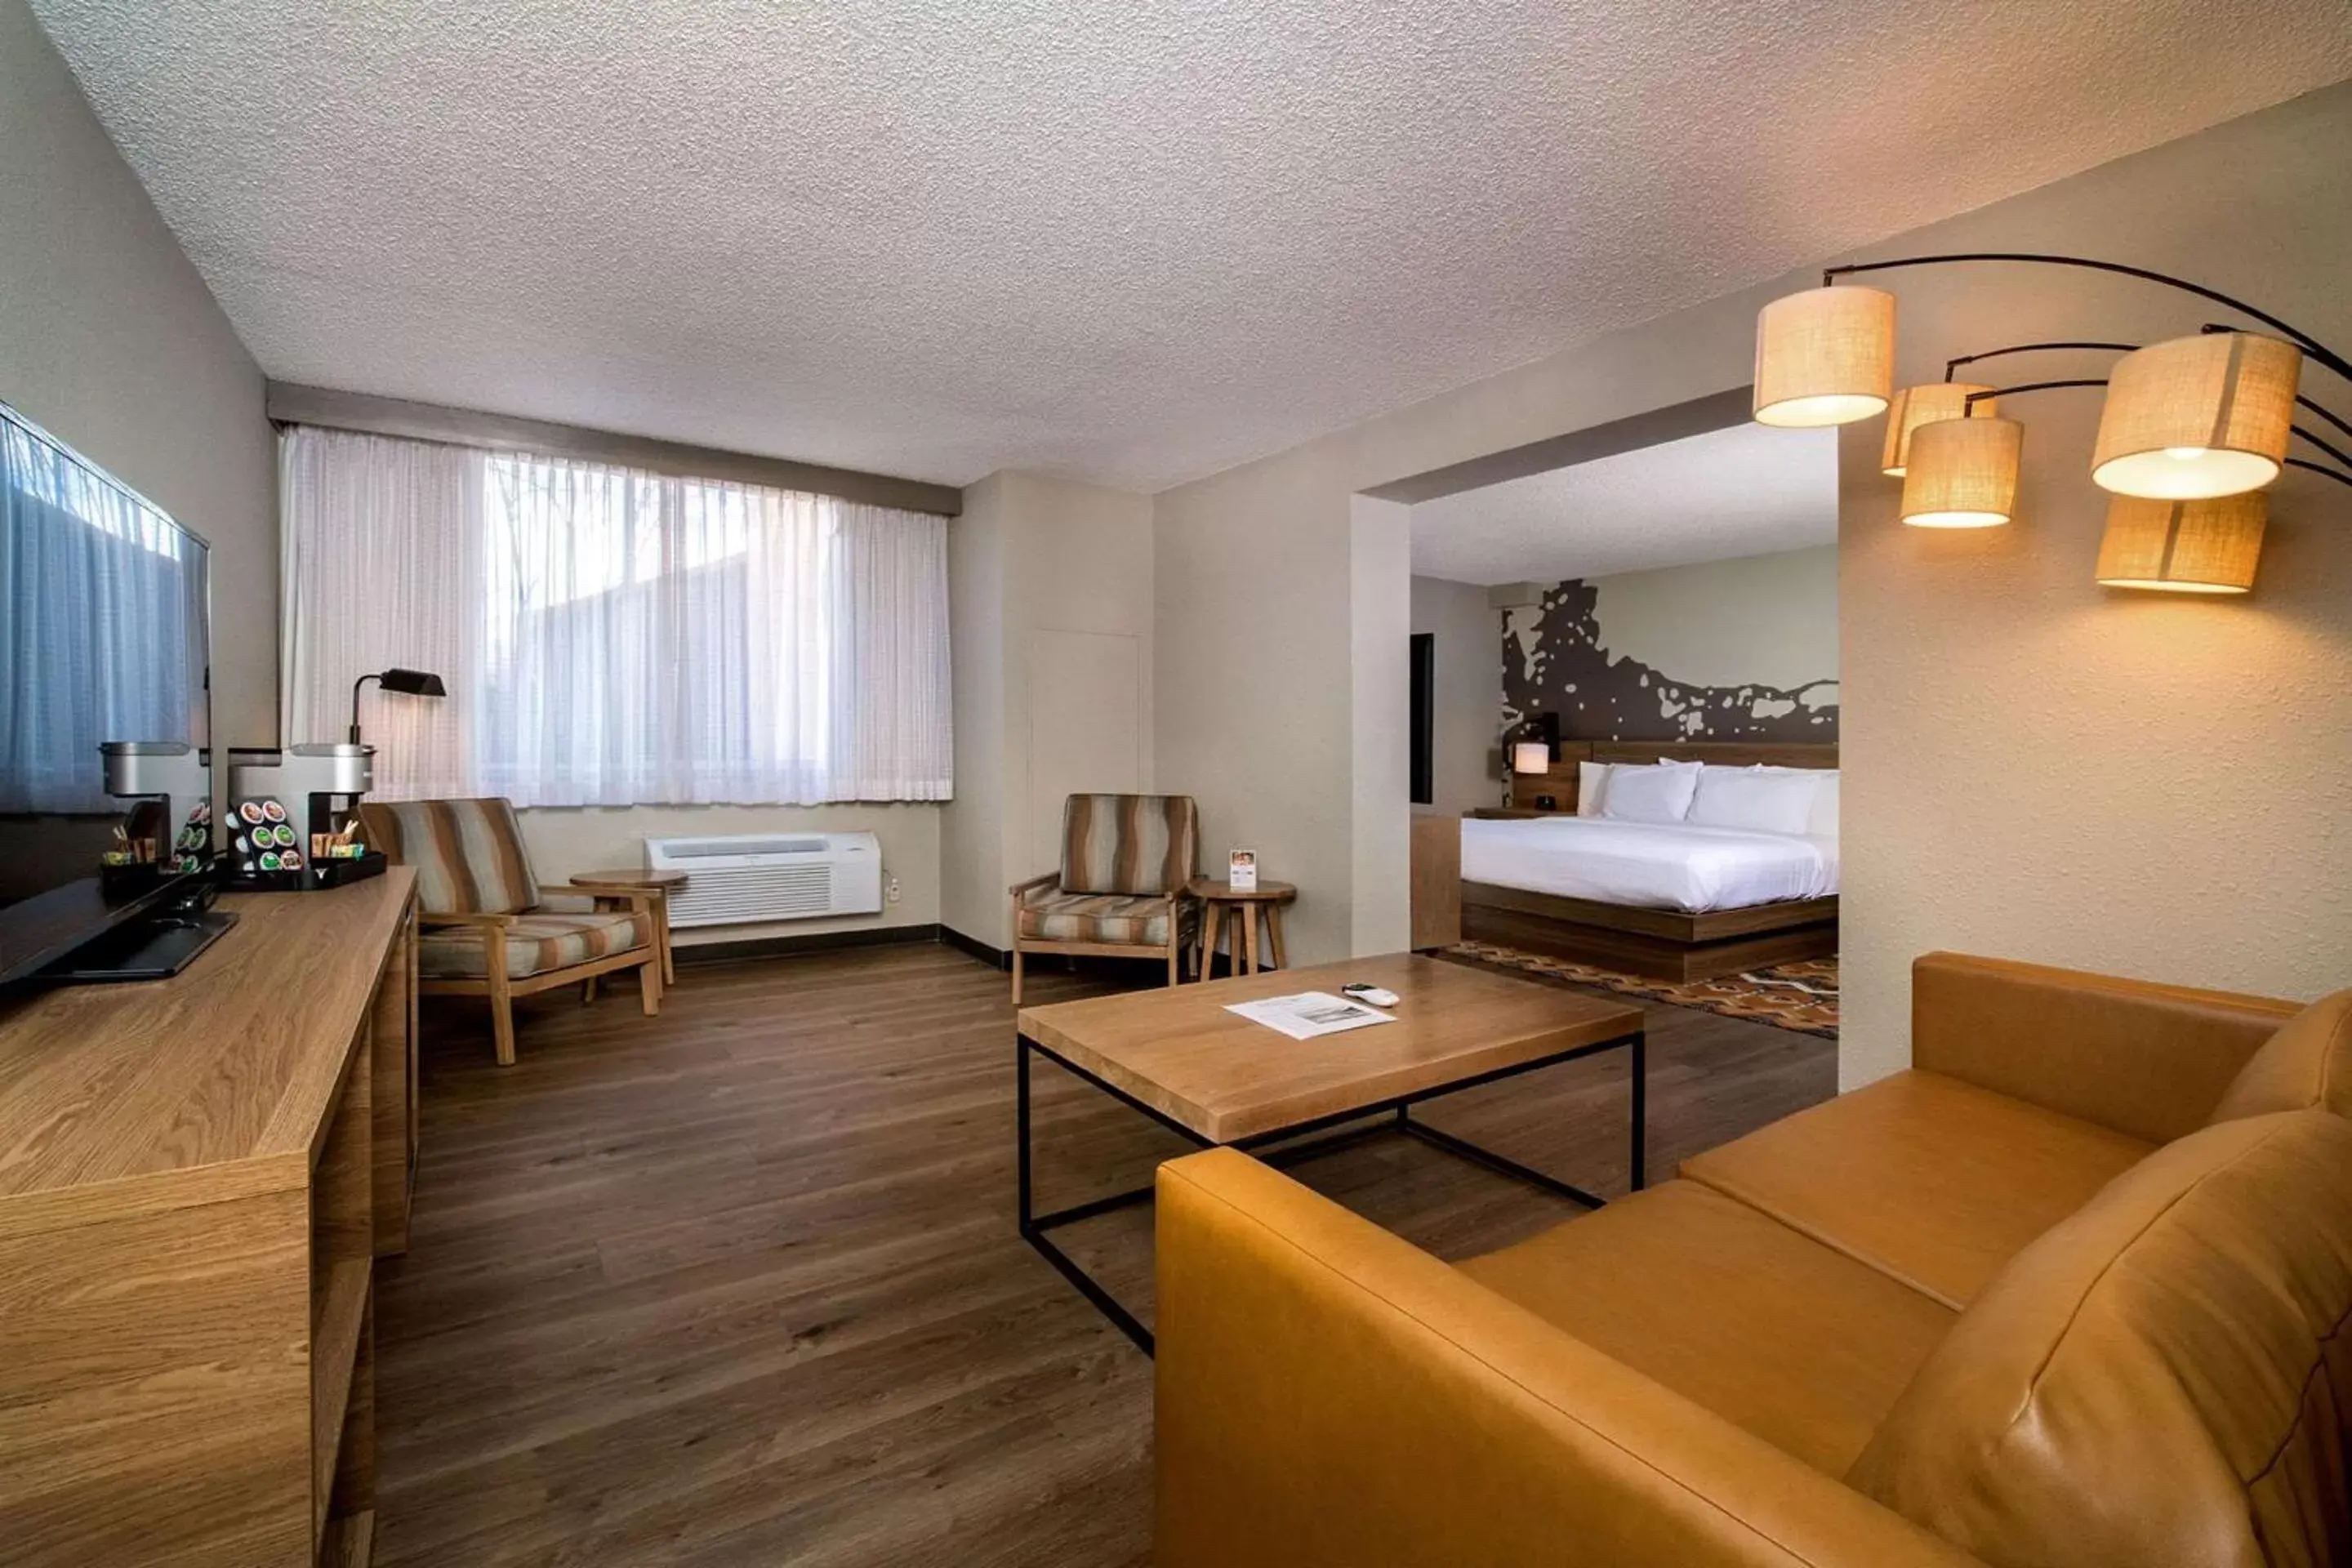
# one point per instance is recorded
(486, 930)
(1119, 893)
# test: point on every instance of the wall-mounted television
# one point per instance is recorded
(104, 639)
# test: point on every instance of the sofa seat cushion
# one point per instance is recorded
(1793, 1341)
(1050, 915)
(537, 944)
(2162, 1378)
(1932, 1180)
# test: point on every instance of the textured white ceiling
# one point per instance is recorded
(1130, 242)
(1747, 491)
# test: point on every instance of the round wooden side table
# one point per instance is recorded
(1220, 902)
(661, 885)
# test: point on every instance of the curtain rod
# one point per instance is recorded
(289, 403)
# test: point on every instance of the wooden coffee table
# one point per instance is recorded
(1217, 1078)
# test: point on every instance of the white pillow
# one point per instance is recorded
(1755, 800)
(1823, 823)
(1659, 793)
(1591, 784)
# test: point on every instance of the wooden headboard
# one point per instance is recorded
(1723, 754)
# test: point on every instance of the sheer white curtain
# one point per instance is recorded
(627, 637)
(381, 567)
(102, 637)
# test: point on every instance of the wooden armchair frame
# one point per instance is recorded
(1172, 951)
(502, 989)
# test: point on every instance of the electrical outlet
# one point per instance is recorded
(890, 890)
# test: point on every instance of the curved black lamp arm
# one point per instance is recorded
(1952, 364)
(362, 680)
(2336, 453)
(2319, 469)
(2310, 345)
(1976, 397)
(2342, 457)
(2340, 424)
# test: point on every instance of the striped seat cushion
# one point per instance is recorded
(1047, 915)
(467, 854)
(536, 944)
(1127, 842)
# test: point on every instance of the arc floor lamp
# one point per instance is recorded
(2193, 430)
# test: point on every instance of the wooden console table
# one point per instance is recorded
(196, 1176)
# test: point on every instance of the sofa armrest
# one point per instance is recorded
(1329, 1395)
(2145, 1059)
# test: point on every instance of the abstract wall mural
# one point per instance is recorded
(1553, 661)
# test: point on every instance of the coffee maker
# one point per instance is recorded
(169, 826)
(294, 817)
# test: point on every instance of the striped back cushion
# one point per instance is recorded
(1127, 842)
(467, 854)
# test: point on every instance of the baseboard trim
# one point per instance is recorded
(994, 957)
(1220, 966)
(814, 942)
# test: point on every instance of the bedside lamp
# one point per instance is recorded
(1531, 757)
(407, 682)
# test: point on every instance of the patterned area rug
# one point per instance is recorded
(1799, 996)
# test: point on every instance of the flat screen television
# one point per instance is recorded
(104, 637)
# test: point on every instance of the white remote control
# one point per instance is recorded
(1370, 994)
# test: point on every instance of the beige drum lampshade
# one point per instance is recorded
(1916, 405)
(1962, 473)
(2184, 546)
(1531, 757)
(1824, 357)
(2197, 418)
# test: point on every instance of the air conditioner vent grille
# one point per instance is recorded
(752, 878)
(730, 848)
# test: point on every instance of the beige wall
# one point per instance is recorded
(2040, 768)
(1379, 633)
(2031, 769)
(1051, 606)
(1766, 620)
(1257, 591)
(1467, 652)
(109, 339)
(972, 877)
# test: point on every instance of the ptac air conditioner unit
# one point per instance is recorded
(744, 878)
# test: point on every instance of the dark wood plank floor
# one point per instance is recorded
(740, 1285)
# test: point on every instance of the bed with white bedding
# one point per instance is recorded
(1669, 870)
(1659, 865)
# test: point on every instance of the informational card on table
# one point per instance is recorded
(1310, 1014)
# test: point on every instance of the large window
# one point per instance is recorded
(612, 637)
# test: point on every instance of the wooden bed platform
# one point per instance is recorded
(1664, 944)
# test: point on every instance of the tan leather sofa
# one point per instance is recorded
(2070, 1291)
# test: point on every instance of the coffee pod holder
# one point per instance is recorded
(294, 824)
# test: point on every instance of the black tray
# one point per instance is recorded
(314, 874)
(120, 882)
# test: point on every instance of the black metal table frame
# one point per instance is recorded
(1393, 1114)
